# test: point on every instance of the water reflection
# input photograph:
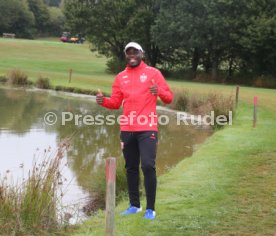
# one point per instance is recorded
(22, 131)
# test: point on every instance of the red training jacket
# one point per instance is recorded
(131, 87)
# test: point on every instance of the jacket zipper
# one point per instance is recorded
(132, 81)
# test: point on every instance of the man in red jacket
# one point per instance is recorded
(138, 87)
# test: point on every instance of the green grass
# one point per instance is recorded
(53, 60)
(226, 188)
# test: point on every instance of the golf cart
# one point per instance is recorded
(66, 38)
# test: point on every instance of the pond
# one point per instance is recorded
(24, 136)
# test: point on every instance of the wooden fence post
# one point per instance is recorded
(70, 75)
(237, 95)
(110, 169)
(255, 101)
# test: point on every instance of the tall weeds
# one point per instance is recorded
(17, 77)
(42, 83)
(203, 104)
(29, 206)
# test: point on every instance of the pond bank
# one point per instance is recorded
(16, 104)
(227, 187)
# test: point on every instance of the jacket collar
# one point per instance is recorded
(142, 65)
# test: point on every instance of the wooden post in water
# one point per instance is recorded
(110, 170)
(255, 101)
(70, 75)
(237, 95)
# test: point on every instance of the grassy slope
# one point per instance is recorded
(54, 60)
(226, 188)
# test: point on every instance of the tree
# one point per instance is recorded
(57, 21)
(228, 35)
(177, 32)
(41, 14)
(258, 52)
(15, 17)
(109, 24)
(204, 31)
(52, 3)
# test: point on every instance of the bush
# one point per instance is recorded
(181, 100)
(85, 91)
(58, 88)
(43, 83)
(18, 77)
(3, 79)
(221, 105)
(115, 66)
(65, 89)
(178, 73)
(265, 82)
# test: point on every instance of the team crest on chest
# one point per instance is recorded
(143, 77)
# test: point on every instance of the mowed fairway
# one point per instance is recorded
(54, 60)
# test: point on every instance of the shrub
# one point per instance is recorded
(43, 83)
(265, 82)
(78, 90)
(17, 77)
(64, 88)
(69, 89)
(58, 88)
(204, 77)
(3, 79)
(84, 91)
(178, 73)
(181, 100)
(221, 105)
(115, 66)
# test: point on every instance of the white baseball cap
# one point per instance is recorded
(133, 45)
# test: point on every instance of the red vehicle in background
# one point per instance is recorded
(66, 38)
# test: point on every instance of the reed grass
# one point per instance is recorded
(203, 104)
(43, 83)
(17, 77)
(29, 207)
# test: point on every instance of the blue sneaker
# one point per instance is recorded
(149, 214)
(131, 210)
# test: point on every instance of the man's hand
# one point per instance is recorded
(154, 88)
(99, 97)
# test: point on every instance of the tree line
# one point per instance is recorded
(31, 18)
(236, 38)
(211, 36)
